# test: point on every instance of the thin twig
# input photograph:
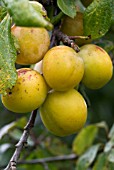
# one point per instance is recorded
(44, 161)
(22, 142)
(80, 37)
(60, 36)
(50, 159)
(54, 41)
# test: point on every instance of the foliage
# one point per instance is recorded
(92, 147)
(26, 16)
(97, 18)
(67, 7)
(7, 57)
(97, 154)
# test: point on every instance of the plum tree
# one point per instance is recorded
(54, 70)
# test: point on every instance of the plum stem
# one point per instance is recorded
(60, 36)
(80, 37)
(22, 142)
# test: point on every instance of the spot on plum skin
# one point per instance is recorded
(10, 93)
(98, 48)
(22, 72)
(29, 77)
(32, 30)
(23, 80)
(26, 91)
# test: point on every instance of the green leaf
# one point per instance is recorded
(56, 147)
(84, 139)
(15, 134)
(20, 123)
(101, 163)
(111, 133)
(3, 12)
(79, 6)
(8, 75)
(5, 129)
(111, 156)
(6, 155)
(4, 147)
(102, 125)
(97, 18)
(110, 166)
(38, 7)
(88, 157)
(57, 18)
(113, 12)
(24, 14)
(109, 145)
(67, 7)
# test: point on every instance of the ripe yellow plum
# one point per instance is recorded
(64, 113)
(63, 69)
(28, 93)
(98, 66)
(33, 44)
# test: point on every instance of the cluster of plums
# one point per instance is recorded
(51, 85)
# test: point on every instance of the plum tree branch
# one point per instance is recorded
(50, 159)
(44, 161)
(22, 142)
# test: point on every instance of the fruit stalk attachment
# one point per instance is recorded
(66, 40)
(22, 142)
